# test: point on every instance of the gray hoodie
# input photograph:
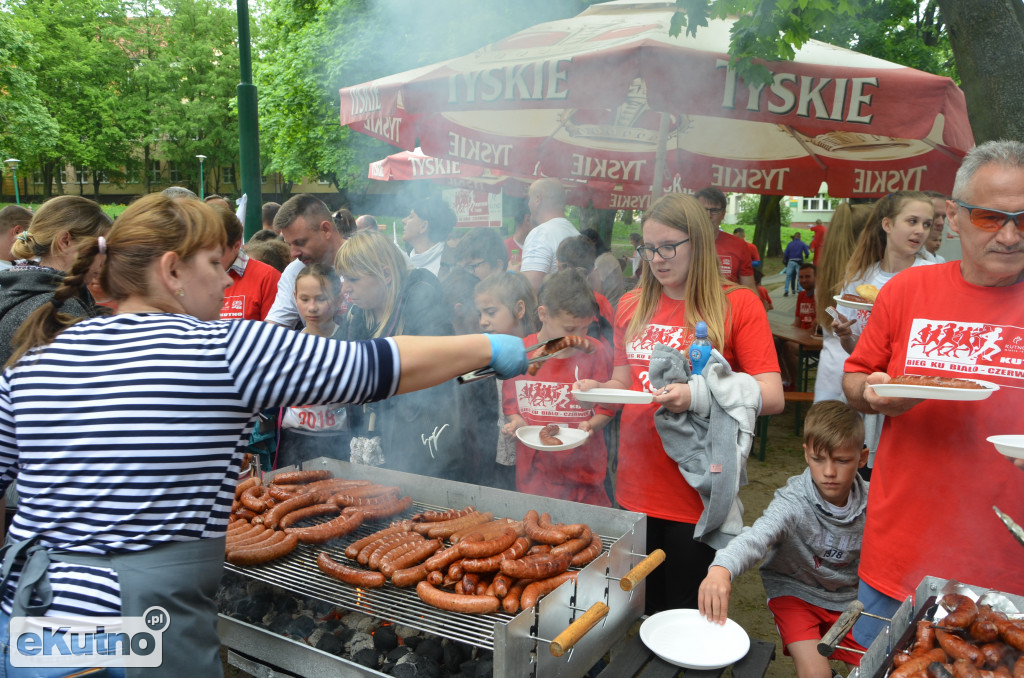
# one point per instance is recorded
(812, 554)
(25, 288)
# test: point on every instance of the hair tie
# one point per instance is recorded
(101, 242)
(57, 303)
(23, 237)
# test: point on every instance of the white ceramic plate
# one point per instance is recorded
(684, 638)
(613, 395)
(864, 306)
(1011, 446)
(936, 392)
(570, 437)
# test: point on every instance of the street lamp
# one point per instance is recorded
(13, 164)
(202, 183)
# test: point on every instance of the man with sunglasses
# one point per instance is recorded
(734, 259)
(935, 477)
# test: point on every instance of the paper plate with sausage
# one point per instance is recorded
(861, 303)
(557, 440)
(684, 638)
(935, 388)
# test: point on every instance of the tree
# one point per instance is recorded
(26, 127)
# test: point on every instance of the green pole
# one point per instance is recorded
(17, 198)
(202, 179)
(248, 128)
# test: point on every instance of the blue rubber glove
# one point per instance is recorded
(508, 356)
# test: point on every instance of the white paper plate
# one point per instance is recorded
(936, 392)
(684, 638)
(864, 306)
(570, 437)
(1011, 446)
(613, 395)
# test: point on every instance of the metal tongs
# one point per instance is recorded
(1016, 530)
(488, 372)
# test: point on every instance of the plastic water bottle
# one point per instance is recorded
(700, 349)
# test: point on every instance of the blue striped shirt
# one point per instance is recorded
(127, 431)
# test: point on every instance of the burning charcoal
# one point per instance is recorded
(406, 632)
(320, 608)
(484, 669)
(253, 609)
(279, 623)
(412, 642)
(393, 657)
(366, 657)
(417, 666)
(431, 648)
(285, 602)
(330, 643)
(384, 639)
(359, 622)
(455, 654)
(301, 626)
(360, 641)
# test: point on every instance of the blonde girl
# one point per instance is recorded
(679, 286)
(318, 298)
(507, 305)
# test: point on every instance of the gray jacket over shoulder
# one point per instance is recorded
(811, 554)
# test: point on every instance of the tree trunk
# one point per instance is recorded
(602, 221)
(768, 227)
(988, 45)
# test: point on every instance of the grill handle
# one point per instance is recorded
(576, 630)
(827, 645)
(643, 568)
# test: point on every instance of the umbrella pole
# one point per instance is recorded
(659, 160)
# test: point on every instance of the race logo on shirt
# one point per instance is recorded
(640, 349)
(233, 307)
(981, 350)
(547, 399)
(725, 266)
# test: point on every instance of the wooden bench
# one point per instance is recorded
(636, 661)
(798, 397)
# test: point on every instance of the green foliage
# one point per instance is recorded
(747, 215)
(26, 127)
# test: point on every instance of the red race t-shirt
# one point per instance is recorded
(805, 312)
(935, 477)
(733, 256)
(648, 480)
(545, 398)
(252, 295)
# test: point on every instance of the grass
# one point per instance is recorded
(113, 210)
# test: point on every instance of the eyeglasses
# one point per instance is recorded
(712, 211)
(988, 219)
(668, 251)
(472, 267)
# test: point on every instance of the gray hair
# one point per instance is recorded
(173, 192)
(1004, 152)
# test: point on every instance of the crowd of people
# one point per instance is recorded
(178, 335)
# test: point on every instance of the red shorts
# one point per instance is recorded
(797, 620)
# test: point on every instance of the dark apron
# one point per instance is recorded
(181, 577)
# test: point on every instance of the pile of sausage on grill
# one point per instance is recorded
(972, 641)
(488, 565)
(262, 518)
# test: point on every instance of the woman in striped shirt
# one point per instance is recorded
(124, 434)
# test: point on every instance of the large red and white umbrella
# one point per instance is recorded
(594, 97)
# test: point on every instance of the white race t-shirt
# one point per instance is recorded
(542, 242)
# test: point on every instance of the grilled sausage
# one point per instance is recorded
(569, 341)
(325, 489)
(385, 542)
(355, 576)
(958, 648)
(450, 527)
(237, 528)
(273, 548)
(275, 514)
(925, 638)
(1018, 667)
(251, 498)
(441, 516)
(249, 541)
(534, 590)
(353, 549)
(279, 492)
(963, 668)
(493, 563)
(488, 530)
(324, 532)
(962, 610)
(344, 499)
(412, 557)
(245, 485)
(383, 510)
(576, 545)
(510, 603)
(300, 477)
(410, 575)
(539, 534)
(442, 559)
(918, 663)
(435, 577)
(939, 670)
(547, 435)
(469, 604)
(1011, 633)
(502, 583)
(485, 548)
(995, 653)
(374, 560)
(301, 514)
(537, 567)
(588, 554)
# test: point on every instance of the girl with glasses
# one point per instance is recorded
(679, 286)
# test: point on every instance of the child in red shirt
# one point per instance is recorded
(567, 306)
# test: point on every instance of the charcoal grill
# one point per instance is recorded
(877, 660)
(520, 642)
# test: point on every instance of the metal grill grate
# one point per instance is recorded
(299, 574)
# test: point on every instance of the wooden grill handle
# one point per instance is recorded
(827, 645)
(576, 630)
(643, 568)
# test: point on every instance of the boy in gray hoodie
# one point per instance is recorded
(811, 534)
